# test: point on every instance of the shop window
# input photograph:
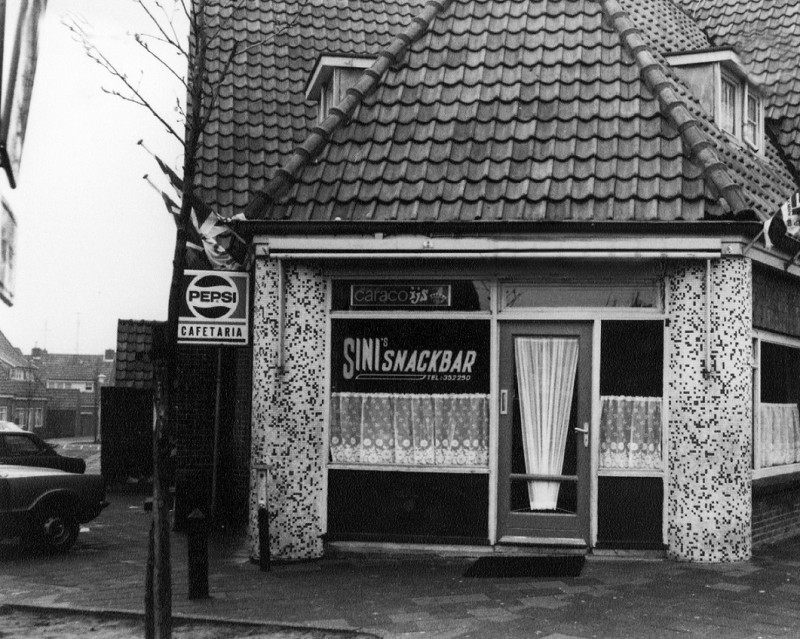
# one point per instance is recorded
(631, 372)
(588, 286)
(777, 427)
(410, 393)
(630, 483)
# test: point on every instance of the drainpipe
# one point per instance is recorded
(707, 365)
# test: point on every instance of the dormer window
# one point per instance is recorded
(331, 78)
(720, 82)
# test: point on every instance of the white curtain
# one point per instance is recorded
(779, 439)
(410, 429)
(546, 368)
(630, 432)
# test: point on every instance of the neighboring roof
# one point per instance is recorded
(134, 353)
(69, 367)
(10, 355)
(767, 37)
(484, 110)
(22, 389)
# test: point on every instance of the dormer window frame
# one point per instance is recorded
(732, 88)
(327, 85)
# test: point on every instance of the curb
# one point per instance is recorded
(184, 619)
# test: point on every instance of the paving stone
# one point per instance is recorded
(729, 587)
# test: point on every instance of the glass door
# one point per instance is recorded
(545, 415)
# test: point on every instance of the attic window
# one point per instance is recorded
(331, 78)
(721, 84)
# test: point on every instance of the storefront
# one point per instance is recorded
(507, 402)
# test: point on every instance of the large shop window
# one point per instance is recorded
(410, 393)
(778, 426)
(630, 482)
(631, 395)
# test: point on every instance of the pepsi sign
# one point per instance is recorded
(214, 308)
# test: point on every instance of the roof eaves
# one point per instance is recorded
(262, 203)
(715, 172)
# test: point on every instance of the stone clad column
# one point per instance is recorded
(710, 412)
(288, 409)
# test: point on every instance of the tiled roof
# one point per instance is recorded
(73, 367)
(134, 366)
(19, 388)
(500, 110)
(767, 37)
(10, 355)
(263, 113)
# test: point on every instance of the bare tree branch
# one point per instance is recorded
(78, 32)
(157, 24)
(138, 37)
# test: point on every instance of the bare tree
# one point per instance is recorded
(186, 59)
(192, 75)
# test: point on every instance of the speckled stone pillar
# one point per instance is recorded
(287, 425)
(710, 413)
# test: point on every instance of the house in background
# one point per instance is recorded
(73, 384)
(23, 397)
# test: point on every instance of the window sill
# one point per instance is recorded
(466, 470)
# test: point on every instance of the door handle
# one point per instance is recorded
(585, 431)
(504, 402)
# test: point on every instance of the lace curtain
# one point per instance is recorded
(546, 370)
(779, 438)
(384, 428)
(630, 432)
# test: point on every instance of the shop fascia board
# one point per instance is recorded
(378, 246)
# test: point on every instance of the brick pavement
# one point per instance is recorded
(413, 597)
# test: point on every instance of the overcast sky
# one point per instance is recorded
(94, 241)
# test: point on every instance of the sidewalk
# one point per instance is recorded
(415, 597)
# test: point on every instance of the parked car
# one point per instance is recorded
(22, 448)
(47, 506)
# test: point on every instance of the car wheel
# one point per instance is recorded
(56, 529)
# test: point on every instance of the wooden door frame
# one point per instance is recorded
(558, 535)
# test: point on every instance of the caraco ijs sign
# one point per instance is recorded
(214, 308)
(410, 356)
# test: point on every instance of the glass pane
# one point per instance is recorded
(779, 418)
(637, 295)
(728, 107)
(567, 502)
(631, 371)
(543, 421)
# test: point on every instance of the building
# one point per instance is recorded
(522, 274)
(73, 384)
(23, 397)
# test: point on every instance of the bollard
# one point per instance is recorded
(197, 545)
(262, 471)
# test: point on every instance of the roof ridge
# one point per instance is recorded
(700, 149)
(340, 114)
